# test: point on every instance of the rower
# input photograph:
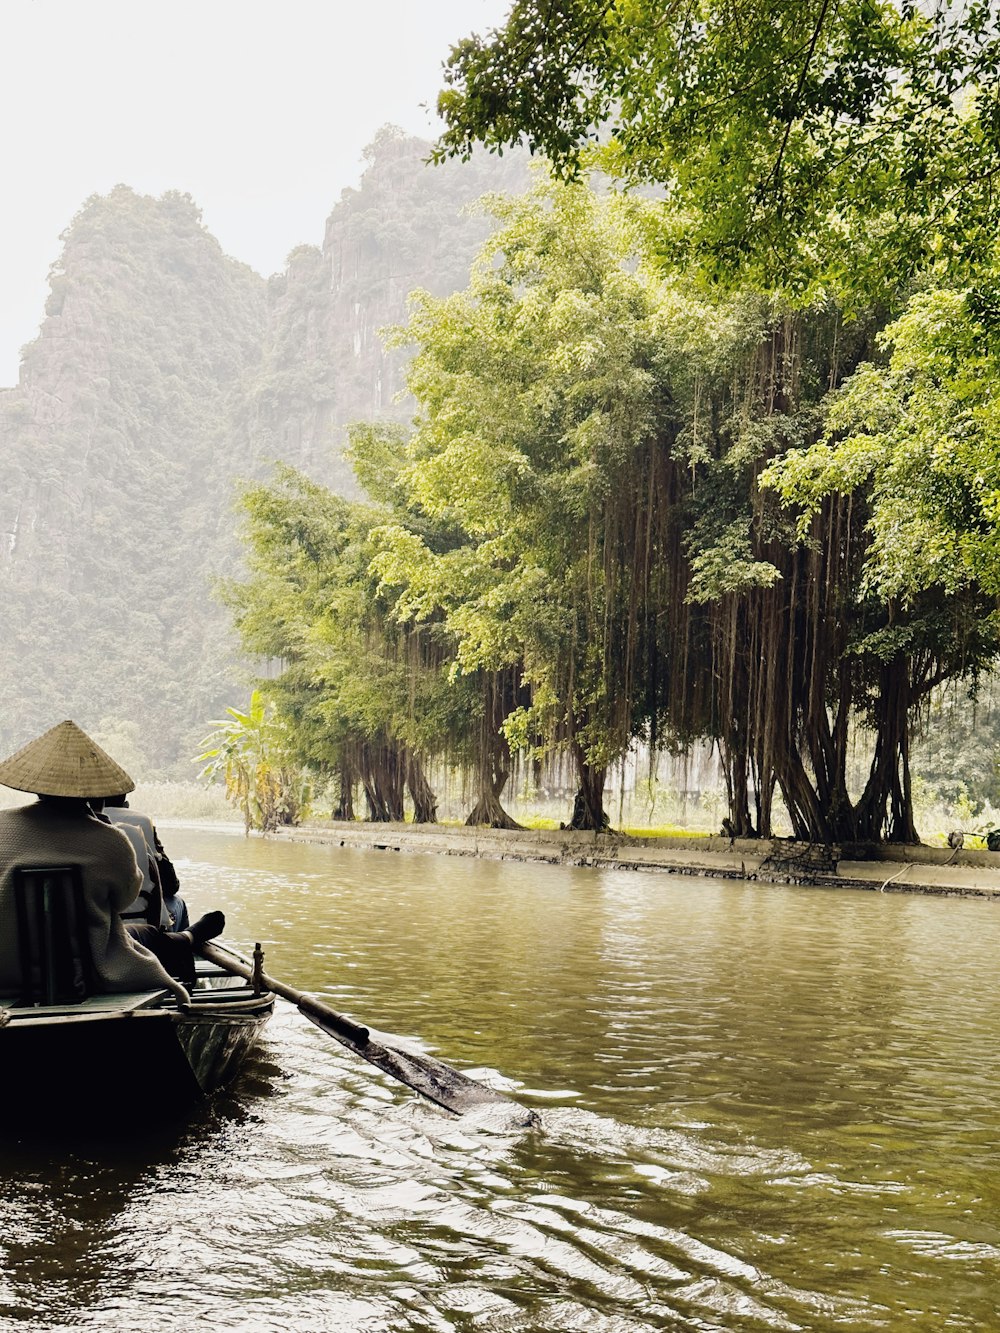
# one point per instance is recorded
(63, 768)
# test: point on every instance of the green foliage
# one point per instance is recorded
(349, 676)
(920, 433)
(592, 436)
(809, 147)
(727, 566)
(542, 390)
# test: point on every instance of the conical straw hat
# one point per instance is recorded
(64, 762)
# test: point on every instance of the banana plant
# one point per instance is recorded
(244, 750)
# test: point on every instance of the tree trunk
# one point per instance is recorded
(344, 808)
(799, 794)
(376, 811)
(736, 769)
(421, 792)
(902, 827)
(764, 783)
(886, 806)
(383, 772)
(493, 767)
(588, 804)
(487, 811)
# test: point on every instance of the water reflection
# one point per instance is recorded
(760, 1109)
(67, 1195)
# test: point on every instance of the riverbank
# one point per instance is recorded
(889, 869)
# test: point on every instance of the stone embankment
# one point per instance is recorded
(890, 869)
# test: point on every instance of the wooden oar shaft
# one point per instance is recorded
(309, 1004)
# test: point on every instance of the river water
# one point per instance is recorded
(760, 1108)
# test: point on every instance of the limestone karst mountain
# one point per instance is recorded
(406, 226)
(116, 444)
(164, 372)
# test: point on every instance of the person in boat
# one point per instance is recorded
(149, 905)
(150, 922)
(64, 768)
(176, 909)
(174, 913)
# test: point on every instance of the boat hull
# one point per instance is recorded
(126, 1053)
(216, 1043)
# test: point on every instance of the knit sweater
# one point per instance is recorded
(48, 833)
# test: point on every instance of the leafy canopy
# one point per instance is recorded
(549, 391)
(844, 142)
(920, 434)
(349, 673)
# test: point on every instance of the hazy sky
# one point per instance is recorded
(257, 108)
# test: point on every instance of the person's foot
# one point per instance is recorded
(207, 927)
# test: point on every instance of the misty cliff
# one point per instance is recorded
(117, 448)
(164, 372)
(405, 226)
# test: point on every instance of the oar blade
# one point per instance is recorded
(432, 1078)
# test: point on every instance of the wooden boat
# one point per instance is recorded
(69, 1052)
(129, 1050)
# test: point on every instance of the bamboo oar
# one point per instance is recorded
(433, 1078)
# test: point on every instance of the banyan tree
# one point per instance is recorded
(582, 545)
(598, 436)
(804, 657)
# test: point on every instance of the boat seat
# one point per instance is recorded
(53, 948)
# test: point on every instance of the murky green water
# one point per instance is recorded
(761, 1108)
